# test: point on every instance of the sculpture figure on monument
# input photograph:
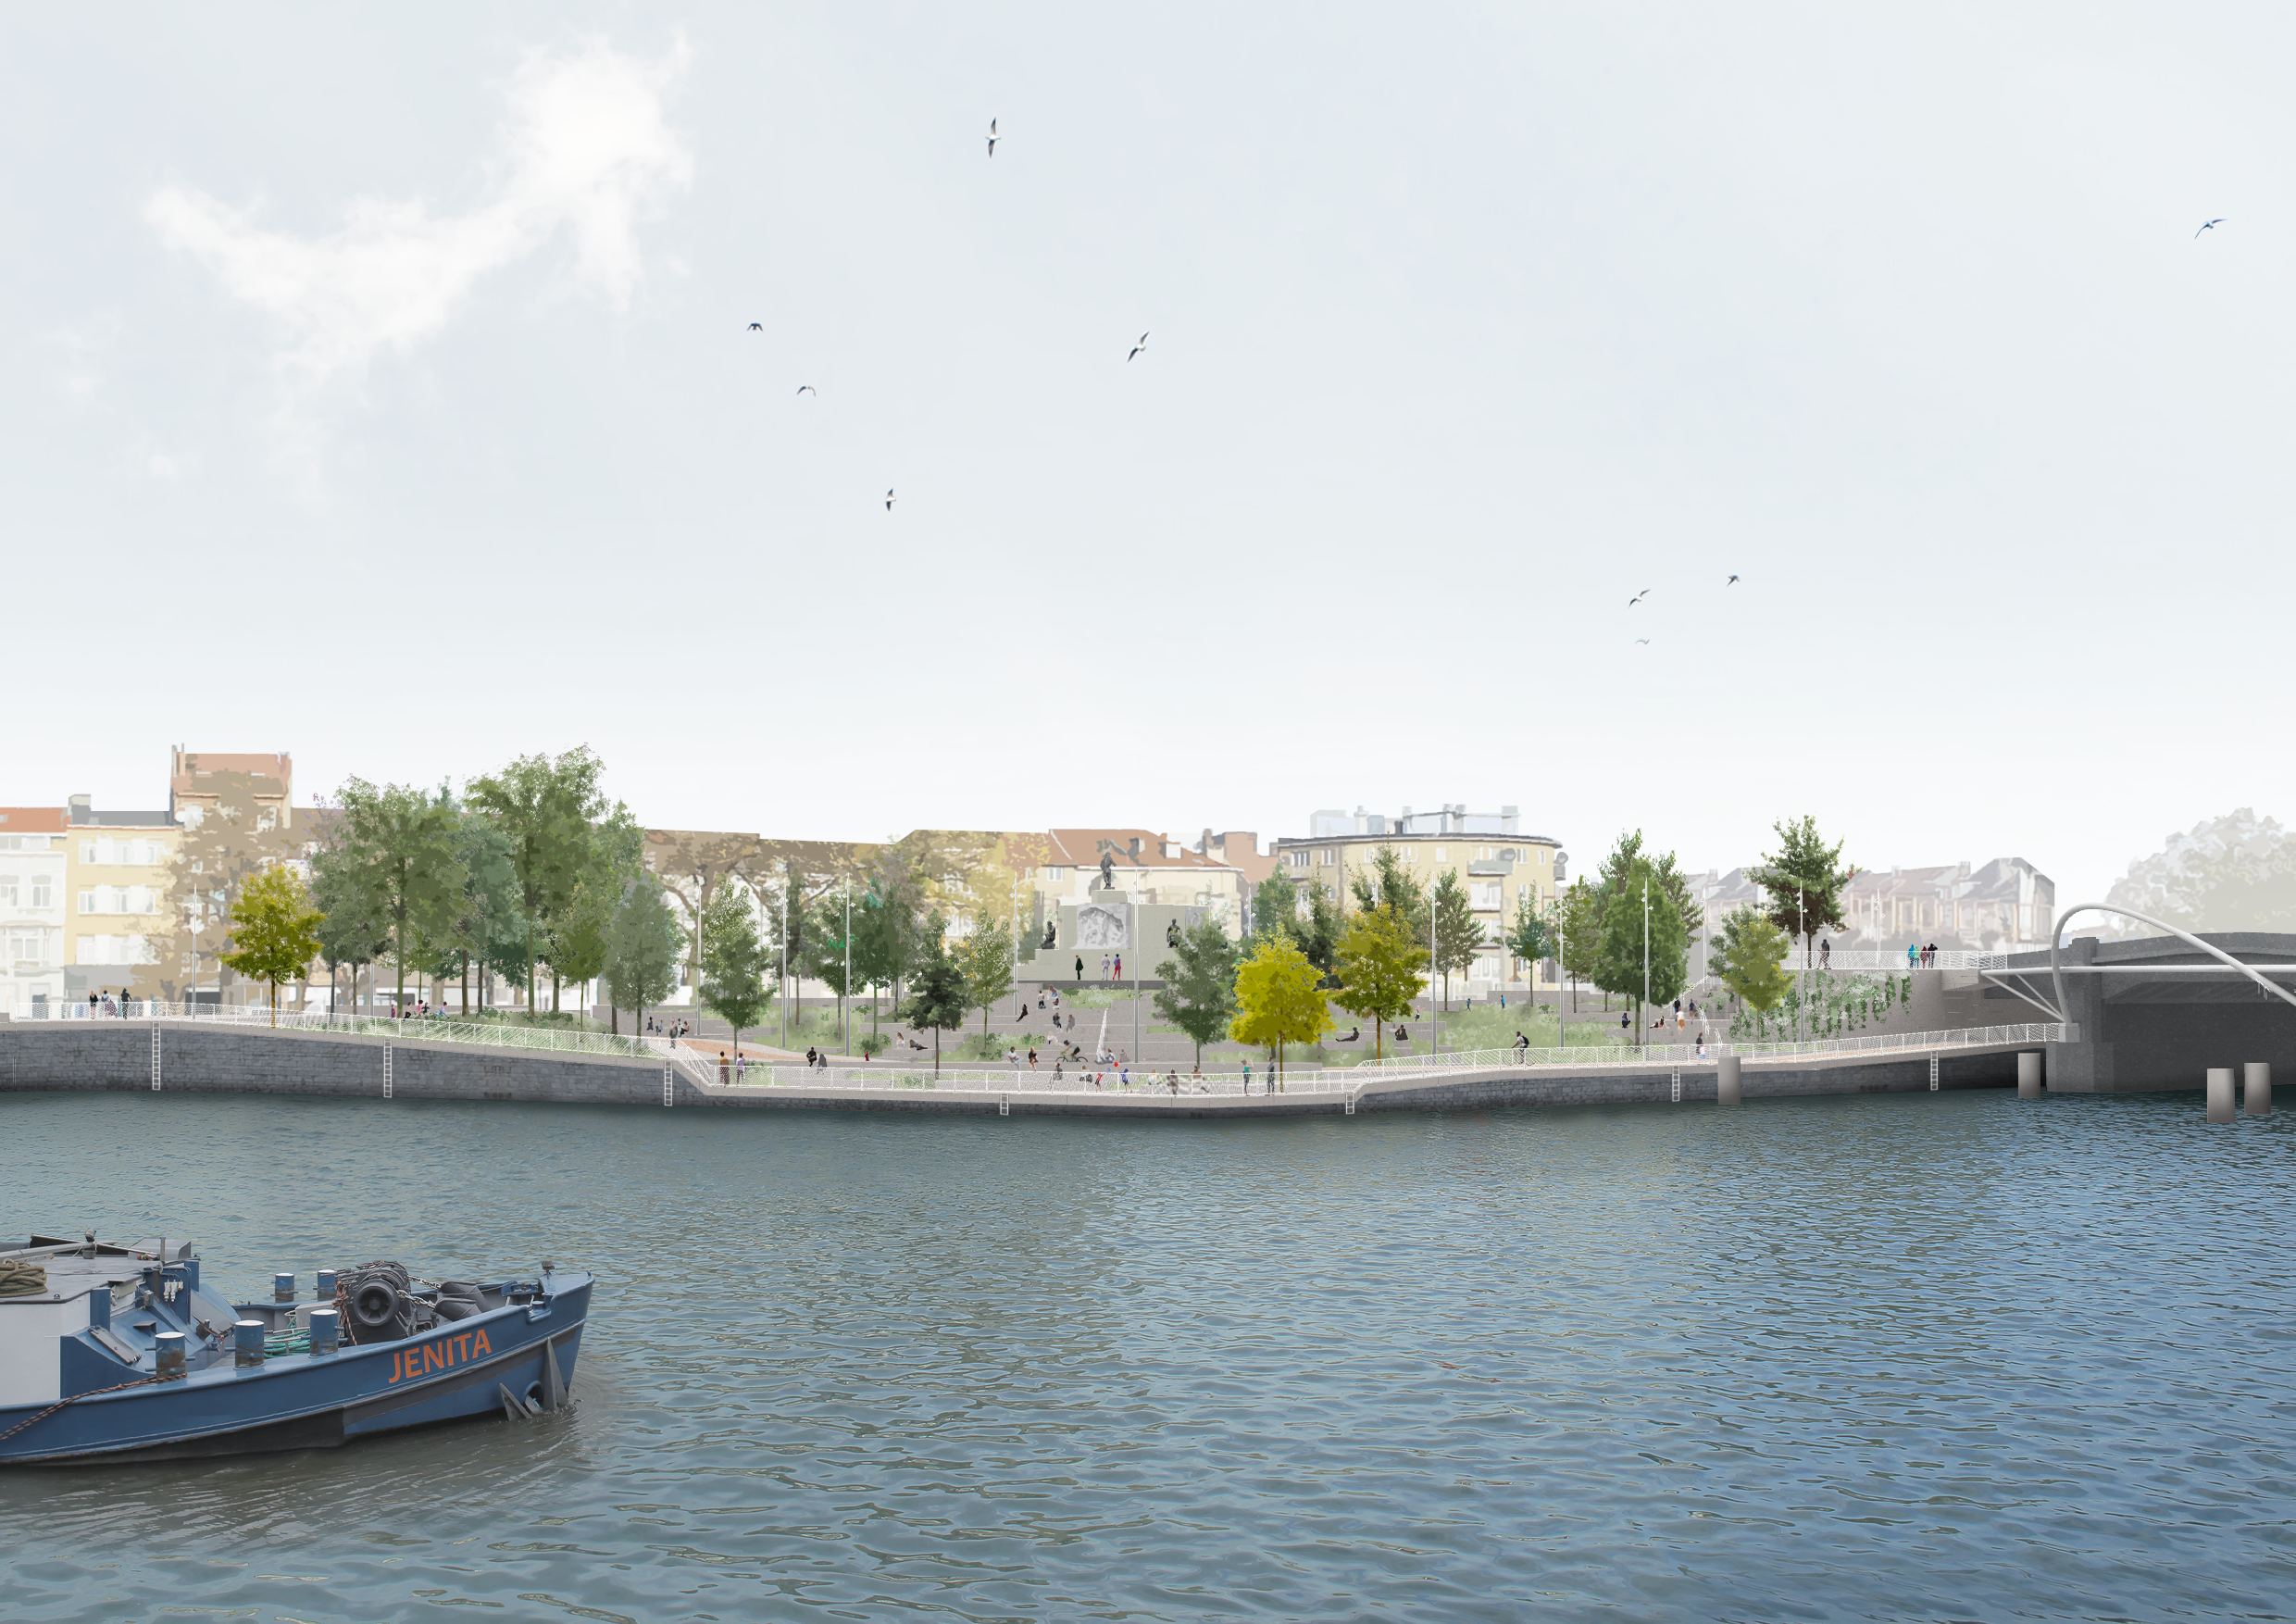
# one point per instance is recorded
(1051, 928)
(1108, 872)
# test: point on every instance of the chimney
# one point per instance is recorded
(82, 810)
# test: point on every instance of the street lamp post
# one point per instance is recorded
(197, 925)
(1645, 1010)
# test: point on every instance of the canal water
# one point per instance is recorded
(1918, 1356)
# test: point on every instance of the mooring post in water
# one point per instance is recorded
(1725, 1081)
(2028, 1074)
(2220, 1093)
(2258, 1088)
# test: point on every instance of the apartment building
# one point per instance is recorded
(1495, 858)
(122, 933)
(32, 917)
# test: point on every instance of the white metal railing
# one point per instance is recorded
(1885, 959)
(1088, 1082)
(1692, 1054)
(483, 1034)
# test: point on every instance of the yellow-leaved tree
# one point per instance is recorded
(1379, 961)
(1278, 999)
(274, 930)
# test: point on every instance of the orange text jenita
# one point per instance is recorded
(443, 1355)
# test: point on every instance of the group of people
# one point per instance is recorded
(1111, 967)
(672, 1029)
(1920, 957)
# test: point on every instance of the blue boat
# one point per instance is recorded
(119, 1353)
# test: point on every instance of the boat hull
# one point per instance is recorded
(454, 1371)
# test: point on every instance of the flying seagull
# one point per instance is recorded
(1638, 597)
(1732, 582)
(889, 498)
(757, 326)
(2209, 225)
(992, 138)
(809, 389)
(1642, 639)
(1140, 346)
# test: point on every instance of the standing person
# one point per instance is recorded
(1119, 966)
(1913, 955)
(1104, 966)
(1825, 953)
(1080, 967)
(725, 1070)
(741, 1069)
(1247, 1075)
(1032, 1059)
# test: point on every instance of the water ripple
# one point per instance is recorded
(1916, 1357)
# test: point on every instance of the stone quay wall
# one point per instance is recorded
(196, 1060)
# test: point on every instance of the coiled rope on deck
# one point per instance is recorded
(18, 1279)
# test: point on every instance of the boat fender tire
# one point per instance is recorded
(377, 1305)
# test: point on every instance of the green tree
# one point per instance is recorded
(405, 841)
(274, 931)
(1804, 880)
(1381, 962)
(353, 932)
(486, 926)
(1749, 959)
(1459, 934)
(1529, 938)
(884, 944)
(642, 946)
(1392, 885)
(988, 966)
(1278, 999)
(826, 938)
(1622, 967)
(1199, 990)
(1274, 907)
(733, 961)
(1666, 874)
(937, 993)
(1579, 934)
(1317, 932)
(546, 808)
(577, 944)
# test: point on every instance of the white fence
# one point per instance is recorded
(1091, 1082)
(1695, 1055)
(485, 1034)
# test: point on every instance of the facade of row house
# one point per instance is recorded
(1997, 907)
(1499, 862)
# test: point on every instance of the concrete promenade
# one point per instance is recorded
(186, 1057)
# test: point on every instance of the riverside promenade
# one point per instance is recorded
(409, 1061)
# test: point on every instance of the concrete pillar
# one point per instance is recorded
(2028, 1074)
(2258, 1088)
(1725, 1081)
(2220, 1093)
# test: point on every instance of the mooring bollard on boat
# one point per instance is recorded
(2220, 1093)
(325, 1330)
(247, 1344)
(168, 1354)
(2258, 1090)
(282, 1288)
(326, 1284)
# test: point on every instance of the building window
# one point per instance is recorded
(7, 891)
(25, 946)
(87, 902)
(1484, 896)
(42, 891)
(1441, 856)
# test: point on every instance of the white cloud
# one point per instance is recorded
(587, 147)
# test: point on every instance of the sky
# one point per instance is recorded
(381, 387)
